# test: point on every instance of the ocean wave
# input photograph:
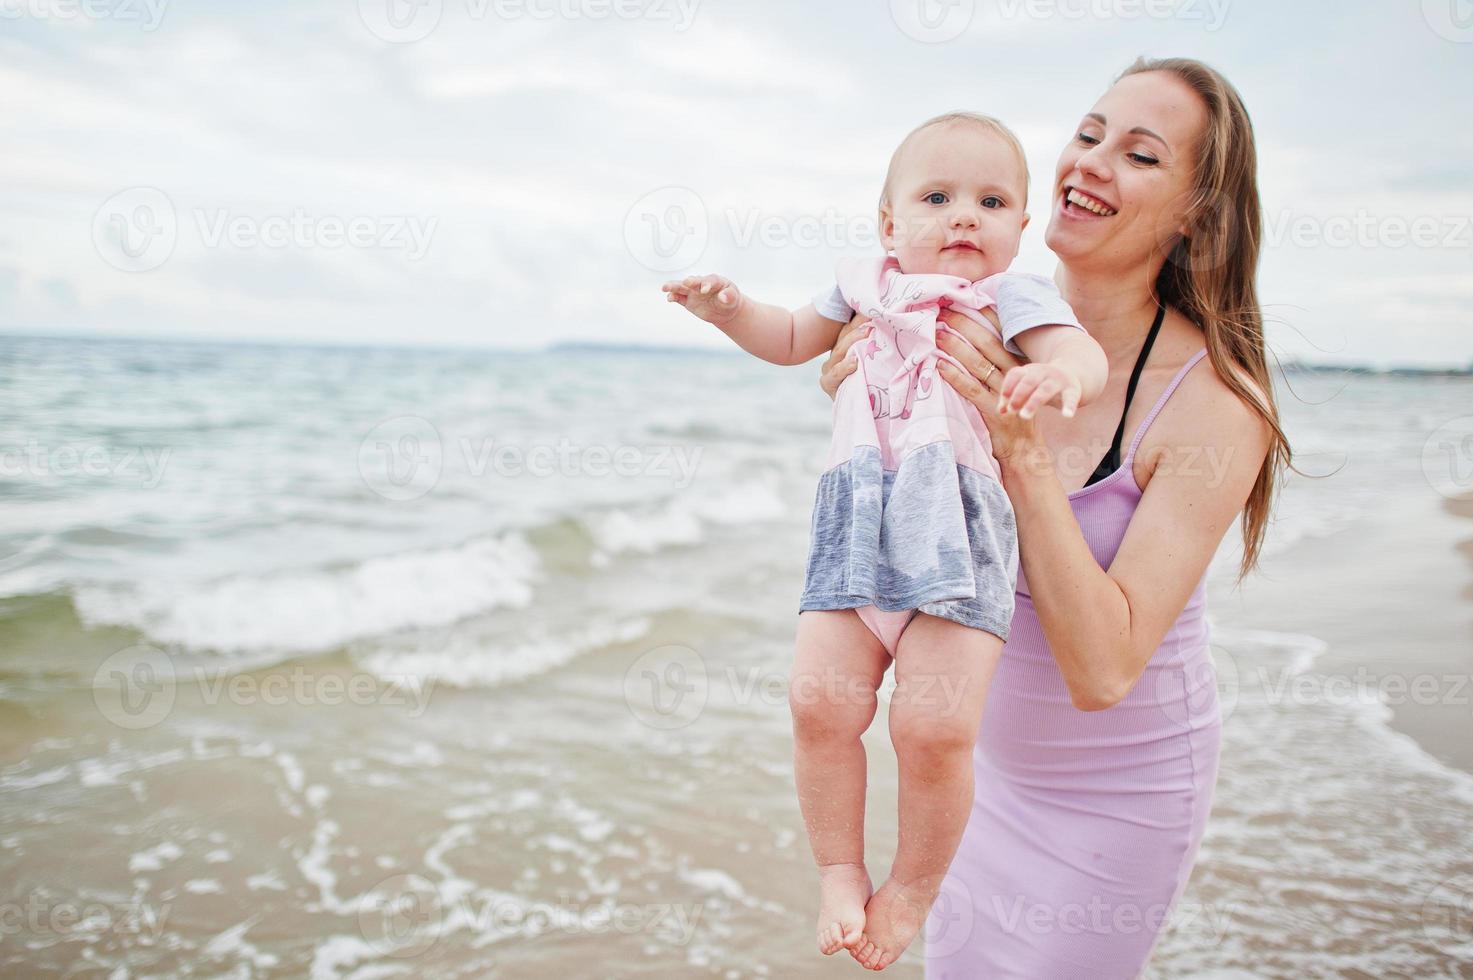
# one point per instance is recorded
(318, 610)
(683, 520)
(467, 662)
(1365, 705)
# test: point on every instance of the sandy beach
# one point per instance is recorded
(1393, 601)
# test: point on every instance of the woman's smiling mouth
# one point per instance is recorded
(1087, 202)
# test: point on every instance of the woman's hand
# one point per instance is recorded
(988, 366)
(838, 366)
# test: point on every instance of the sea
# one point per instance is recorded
(351, 663)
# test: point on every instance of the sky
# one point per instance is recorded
(516, 173)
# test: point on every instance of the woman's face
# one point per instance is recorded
(1124, 183)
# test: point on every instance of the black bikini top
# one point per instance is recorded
(1111, 462)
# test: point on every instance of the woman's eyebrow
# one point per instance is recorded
(1138, 131)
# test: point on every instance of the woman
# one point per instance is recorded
(1098, 751)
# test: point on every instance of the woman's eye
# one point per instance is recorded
(1142, 158)
(935, 197)
(992, 201)
(1086, 139)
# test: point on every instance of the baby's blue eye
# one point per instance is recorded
(992, 201)
(935, 197)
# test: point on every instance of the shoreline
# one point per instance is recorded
(1399, 627)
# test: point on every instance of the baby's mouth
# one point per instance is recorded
(1088, 202)
(961, 246)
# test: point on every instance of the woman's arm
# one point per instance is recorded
(1102, 625)
(838, 365)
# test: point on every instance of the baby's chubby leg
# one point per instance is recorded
(942, 673)
(837, 669)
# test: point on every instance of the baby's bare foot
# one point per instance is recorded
(892, 918)
(843, 890)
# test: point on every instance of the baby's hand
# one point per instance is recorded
(1029, 387)
(714, 299)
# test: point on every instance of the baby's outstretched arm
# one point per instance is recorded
(770, 332)
(1067, 368)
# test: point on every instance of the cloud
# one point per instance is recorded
(527, 139)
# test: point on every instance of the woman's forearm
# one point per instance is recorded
(1084, 614)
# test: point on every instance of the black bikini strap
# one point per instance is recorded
(1135, 376)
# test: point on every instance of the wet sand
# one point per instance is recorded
(1393, 599)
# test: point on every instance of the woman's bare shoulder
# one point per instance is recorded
(1205, 416)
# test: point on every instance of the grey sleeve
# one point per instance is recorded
(832, 305)
(1025, 301)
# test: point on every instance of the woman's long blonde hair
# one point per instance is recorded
(1210, 273)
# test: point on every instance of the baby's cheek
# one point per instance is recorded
(1003, 240)
(925, 229)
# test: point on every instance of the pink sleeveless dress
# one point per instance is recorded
(1085, 825)
(910, 513)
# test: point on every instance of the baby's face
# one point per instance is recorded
(956, 203)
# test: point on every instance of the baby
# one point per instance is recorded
(913, 554)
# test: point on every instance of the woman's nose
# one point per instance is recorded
(1095, 164)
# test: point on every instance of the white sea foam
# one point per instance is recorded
(468, 661)
(1367, 707)
(154, 858)
(232, 943)
(335, 954)
(682, 520)
(317, 610)
(1302, 649)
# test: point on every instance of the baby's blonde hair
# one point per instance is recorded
(977, 119)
